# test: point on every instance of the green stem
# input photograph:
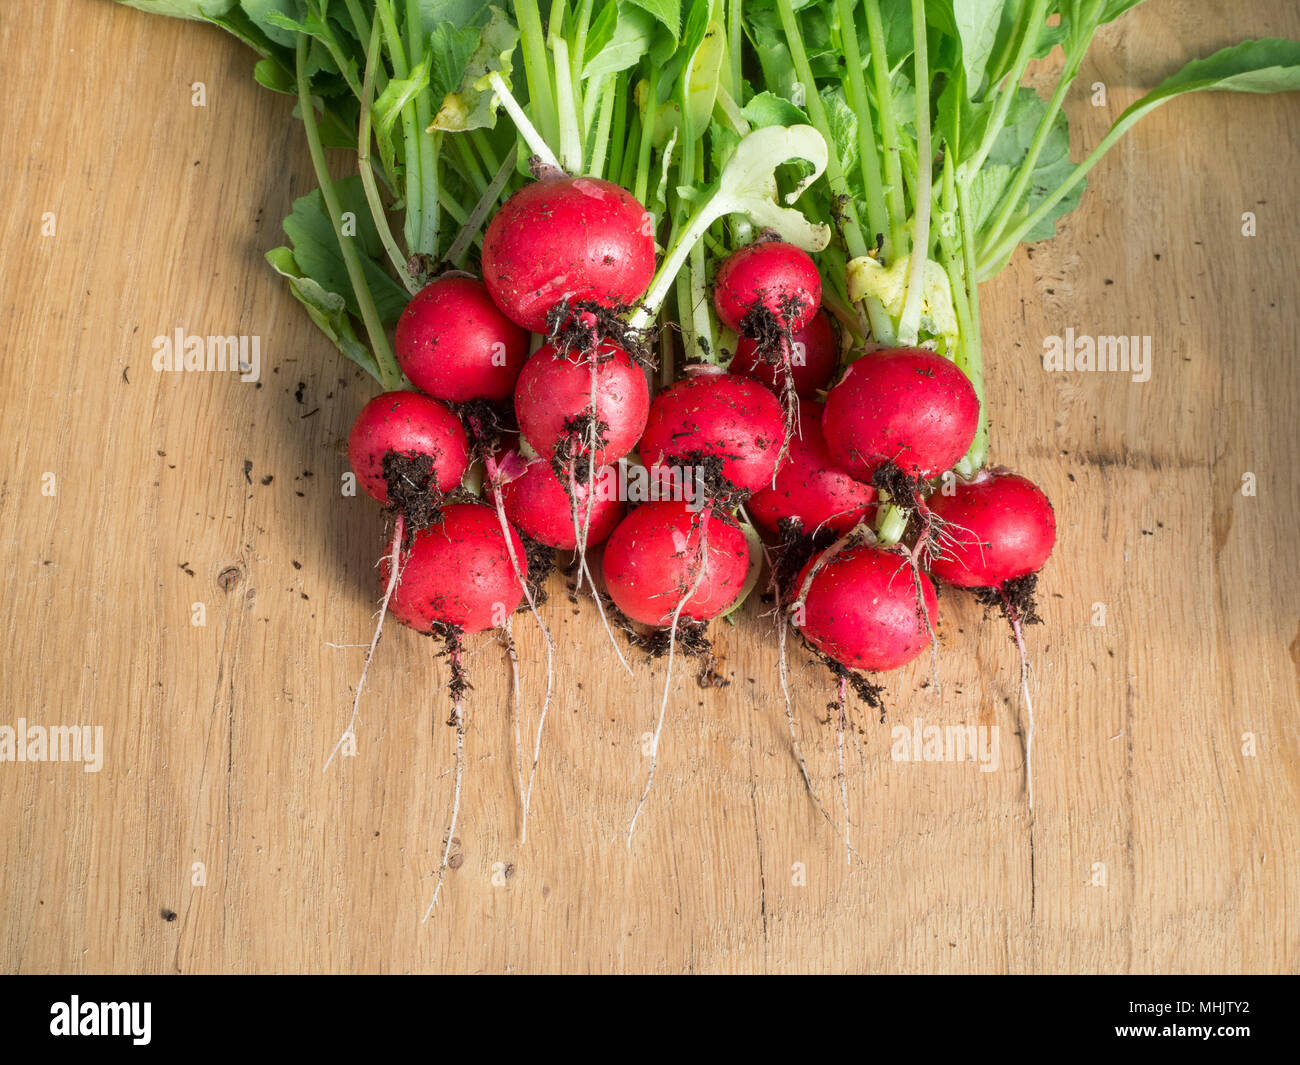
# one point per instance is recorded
(817, 113)
(970, 354)
(367, 172)
(1011, 199)
(735, 39)
(389, 374)
(469, 164)
(582, 21)
(1007, 244)
(894, 187)
(1008, 94)
(596, 165)
(541, 99)
(868, 155)
(336, 52)
(527, 130)
(472, 227)
(410, 140)
(485, 152)
(648, 114)
(619, 143)
(428, 144)
(908, 325)
(891, 525)
(567, 107)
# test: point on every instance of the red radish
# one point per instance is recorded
(567, 238)
(815, 352)
(553, 401)
(411, 425)
(717, 414)
(860, 606)
(998, 530)
(1000, 526)
(456, 345)
(809, 487)
(458, 573)
(767, 284)
(540, 507)
(909, 406)
(653, 562)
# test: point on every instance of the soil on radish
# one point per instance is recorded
(904, 489)
(412, 492)
(541, 564)
(452, 638)
(584, 434)
(485, 422)
(1016, 599)
(581, 325)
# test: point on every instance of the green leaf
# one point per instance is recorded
(473, 105)
(976, 23)
(316, 249)
(274, 75)
(400, 91)
(768, 109)
(1266, 65)
(260, 12)
(450, 49)
(668, 12)
(462, 14)
(633, 32)
(1115, 8)
(1052, 167)
(192, 9)
(327, 309)
(748, 183)
(702, 77)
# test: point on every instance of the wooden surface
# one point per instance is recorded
(1156, 844)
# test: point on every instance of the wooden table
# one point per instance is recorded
(1167, 777)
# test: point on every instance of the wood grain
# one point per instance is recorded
(1155, 845)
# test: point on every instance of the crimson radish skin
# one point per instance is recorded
(652, 561)
(458, 573)
(816, 353)
(779, 278)
(861, 609)
(1000, 526)
(719, 414)
(908, 406)
(409, 424)
(455, 344)
(554, 392)
(538, 505)
(809, 487)
(567, 238)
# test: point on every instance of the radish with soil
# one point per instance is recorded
(712, 415)
(576, 240)
(1001, 531)
(814, 358)
(665, 562)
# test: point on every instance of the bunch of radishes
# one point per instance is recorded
(836, 404)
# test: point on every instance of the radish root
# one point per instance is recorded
(458, 686)
(672, 648)
(394, 576)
